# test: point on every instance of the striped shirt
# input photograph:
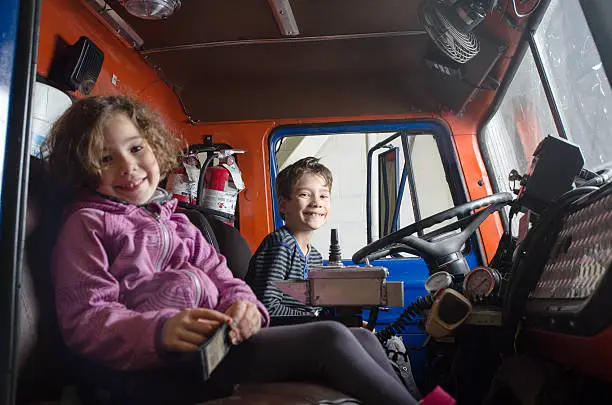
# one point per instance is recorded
(279, 257)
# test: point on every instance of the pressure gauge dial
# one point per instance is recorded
(438, 281)
(481, 282)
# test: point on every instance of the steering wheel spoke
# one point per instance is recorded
(427, 246)
(393, 249)
(433, 235)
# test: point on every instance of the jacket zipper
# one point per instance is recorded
(165, 239)
(198, 287)
(165, 244)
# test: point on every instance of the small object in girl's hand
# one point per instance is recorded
(214, 350)
(438, 397)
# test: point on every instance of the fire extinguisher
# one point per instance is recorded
(219, 185)
(182, 183)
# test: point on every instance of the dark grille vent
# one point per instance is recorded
(83, 64)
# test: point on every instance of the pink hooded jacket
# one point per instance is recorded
(121, 270)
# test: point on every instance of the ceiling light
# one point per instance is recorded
(151, 9)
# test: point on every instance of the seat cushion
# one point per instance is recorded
(284, 394)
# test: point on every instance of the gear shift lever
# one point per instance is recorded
(335, 255)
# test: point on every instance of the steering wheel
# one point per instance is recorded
(441, 250)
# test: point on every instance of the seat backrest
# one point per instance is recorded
(42, 358)
(226, 239)
(44, 362)
(233, 246)
(199, 220)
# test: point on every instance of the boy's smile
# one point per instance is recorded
(130, 170)
(308, 208)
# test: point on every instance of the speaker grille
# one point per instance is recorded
(83, 65)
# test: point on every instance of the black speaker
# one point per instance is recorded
(81, 65)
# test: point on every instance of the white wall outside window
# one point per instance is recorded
(346, 156)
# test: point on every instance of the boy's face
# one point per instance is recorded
(309, 205)
(130, 170)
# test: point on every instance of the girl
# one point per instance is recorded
(136, 284)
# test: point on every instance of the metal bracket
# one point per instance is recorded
(284, 17)
(115, 23)
(484, 317)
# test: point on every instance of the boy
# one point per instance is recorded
(303, 190)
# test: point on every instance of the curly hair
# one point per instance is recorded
(74, 147)
(290, 175)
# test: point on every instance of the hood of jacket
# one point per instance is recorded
(161, 203)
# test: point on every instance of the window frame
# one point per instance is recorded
(527, 42)
(434, 127)
(398, 190)
(593, 17)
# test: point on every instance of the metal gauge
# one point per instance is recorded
(438, 281)
(480, 282)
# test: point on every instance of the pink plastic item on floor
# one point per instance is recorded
(438, 397)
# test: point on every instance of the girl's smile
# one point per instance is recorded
(130, 170)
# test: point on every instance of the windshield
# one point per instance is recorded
(577, 79)
(580, 89)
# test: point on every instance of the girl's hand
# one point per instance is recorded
(246, 321)
(188, 329)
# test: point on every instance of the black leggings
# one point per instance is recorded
(349, 360)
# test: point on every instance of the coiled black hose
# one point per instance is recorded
(407, 316)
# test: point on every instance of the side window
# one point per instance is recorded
(432, 188)
(570, 62)
(520, 123)
(426, 190)
(577, 79)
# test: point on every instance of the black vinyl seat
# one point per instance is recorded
(45, 366)
(226, 239)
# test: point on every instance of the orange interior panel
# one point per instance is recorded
(68, 20)
(255, 201)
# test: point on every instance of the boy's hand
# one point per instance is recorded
(364, 325)
(188, 329)
(246, 321)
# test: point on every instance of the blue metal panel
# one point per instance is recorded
(9, 10)
(412, 271)
(8, 38)
(18, 39)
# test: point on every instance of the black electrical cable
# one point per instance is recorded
(527, 14)
(600, 178)
(407, 316)
(597, 191)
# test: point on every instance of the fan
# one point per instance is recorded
(449, 23)
(151, 9)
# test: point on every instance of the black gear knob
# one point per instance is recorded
(335, 255)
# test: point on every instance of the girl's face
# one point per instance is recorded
(130, 170)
